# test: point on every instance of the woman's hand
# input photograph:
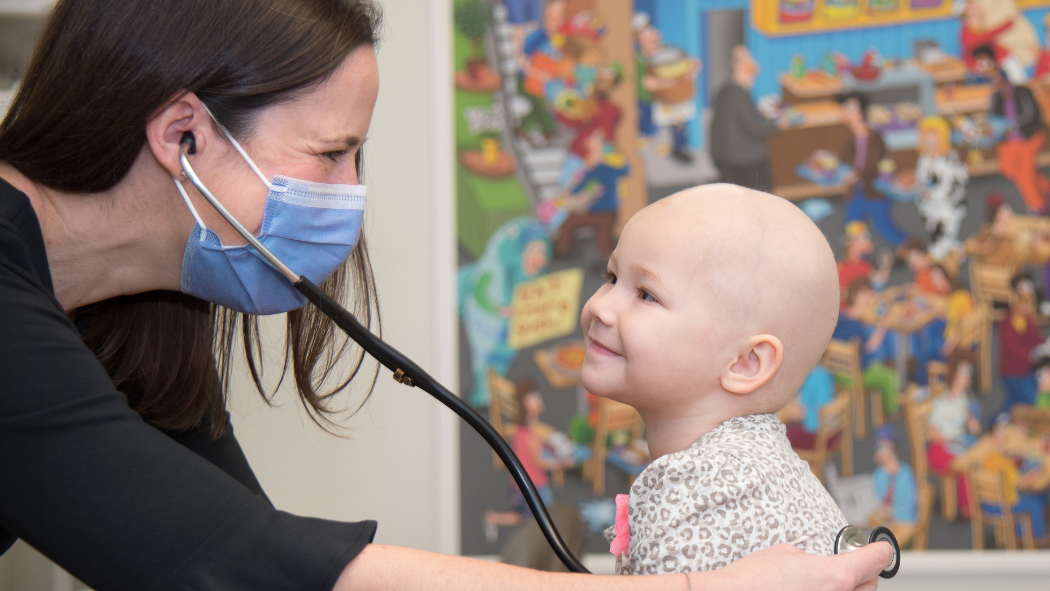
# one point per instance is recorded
(786, 567)
(783, 567)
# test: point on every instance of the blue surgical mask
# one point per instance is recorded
(311, 227)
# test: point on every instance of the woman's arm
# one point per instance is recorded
(782, 567)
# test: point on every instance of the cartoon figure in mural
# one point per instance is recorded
(895, 485)
(863, 152)
(523, 16)
(645, 329)
(1042, 65)
(1013, 470)
(877, 347)
(738, 131)
(954, 423)
(517, 251)
(855, 265)
(581, 56)
(1019, 335)
(542, 64)
(943, 179)
(976, 31)
(927, 343)
(594, 198)
(1041, 367)
(960, 304)
(596, 112)
(1018, 109)
(803, 417)
(666, 79)
(528, 445)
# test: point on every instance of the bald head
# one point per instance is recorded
(758, 263)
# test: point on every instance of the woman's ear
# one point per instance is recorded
(165, 131)
(754, 366)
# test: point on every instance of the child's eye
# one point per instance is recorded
(645, 296)
(610, 277)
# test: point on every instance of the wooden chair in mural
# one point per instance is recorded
(612, 417)
(832, 437)
(988, 488)
(1032, 418)
(503, 415)
(990, 284)
(916, 413)
(842, 358)
(975, 333)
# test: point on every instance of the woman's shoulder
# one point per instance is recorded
(21, 242)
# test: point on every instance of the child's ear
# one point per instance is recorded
(757, 363)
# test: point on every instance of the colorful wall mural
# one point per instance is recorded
(912, 131)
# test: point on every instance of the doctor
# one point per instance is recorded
(120, 289)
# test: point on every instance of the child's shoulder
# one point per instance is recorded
(739, 449)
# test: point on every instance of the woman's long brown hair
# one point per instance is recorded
(100, 71)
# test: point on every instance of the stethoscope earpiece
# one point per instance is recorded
(188, 138)
(851, 538)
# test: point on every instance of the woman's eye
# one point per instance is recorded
(334, 155)
(610, 278)
(645, 296)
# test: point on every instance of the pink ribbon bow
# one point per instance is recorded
(622, 528)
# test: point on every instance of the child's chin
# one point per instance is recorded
(596, 383)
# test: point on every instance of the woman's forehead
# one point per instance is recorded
(339, 110)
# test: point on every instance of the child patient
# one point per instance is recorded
(719, 302)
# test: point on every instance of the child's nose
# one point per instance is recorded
(601, 307)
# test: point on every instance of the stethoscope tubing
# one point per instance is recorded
(405, 370)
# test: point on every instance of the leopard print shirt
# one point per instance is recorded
(740, 488)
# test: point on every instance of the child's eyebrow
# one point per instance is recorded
(646, 272)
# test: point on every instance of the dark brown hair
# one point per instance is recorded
(855, 287)
(101, 70)
(955, 359)
(522, 388)
(952, 280)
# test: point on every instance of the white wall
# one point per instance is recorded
(400, 463)
(25, 6)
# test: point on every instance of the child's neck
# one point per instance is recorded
(668, 433)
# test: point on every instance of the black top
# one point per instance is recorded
(113, 500)
(1029, 119)
(739, 133)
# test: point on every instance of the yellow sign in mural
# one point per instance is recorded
(546, 308)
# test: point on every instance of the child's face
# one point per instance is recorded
(940, 281)
(963, 378)
(533, 405)
(931, 142)
(1042, 378)
(650, 327)
(917, 260)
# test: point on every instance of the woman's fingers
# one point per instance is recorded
(866, 563)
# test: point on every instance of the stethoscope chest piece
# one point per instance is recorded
(851, 538)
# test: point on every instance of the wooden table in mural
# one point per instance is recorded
(904, 309)
(561, 363)
(1016, 442)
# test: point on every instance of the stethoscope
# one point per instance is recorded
(407, 372)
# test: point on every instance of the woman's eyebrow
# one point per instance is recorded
(351, 141)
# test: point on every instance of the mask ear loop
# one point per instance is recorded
(193, 210)
(244, 154)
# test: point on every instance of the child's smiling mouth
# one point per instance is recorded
(599, 349)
